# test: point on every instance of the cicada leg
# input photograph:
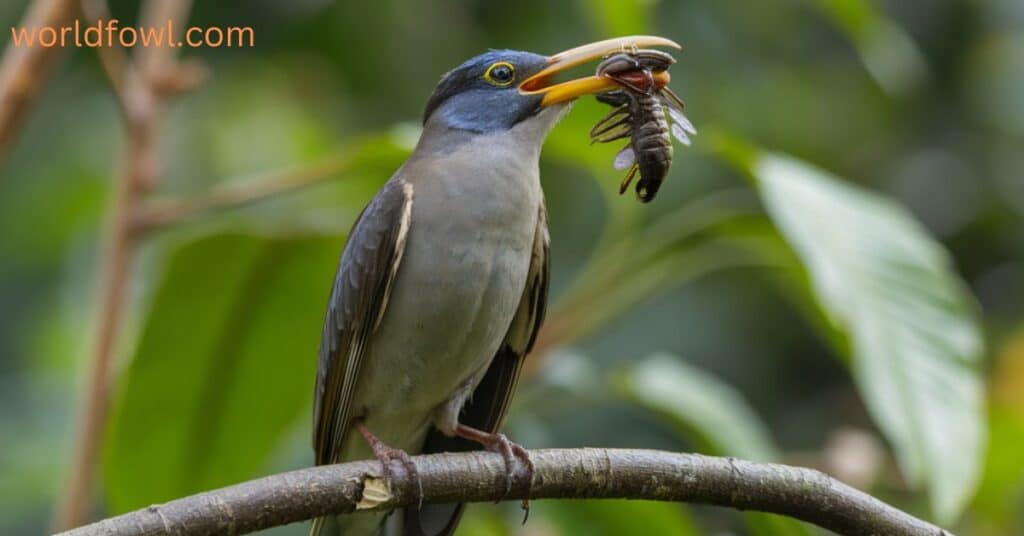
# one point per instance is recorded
(628, 179)
(613, 118)
(616, 98)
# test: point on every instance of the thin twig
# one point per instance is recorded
(164, 212)
(159, 61)
(121, 245)
(112, 59)
(24, 69)
(143, 105)
(271, 501)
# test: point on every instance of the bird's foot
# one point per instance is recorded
(385, 454)
(510, 451)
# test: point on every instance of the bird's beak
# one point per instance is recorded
(554, 93)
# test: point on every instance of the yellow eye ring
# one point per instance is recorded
(501, 73)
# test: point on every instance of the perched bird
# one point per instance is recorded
(442, 285)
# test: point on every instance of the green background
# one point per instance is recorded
(867, 320)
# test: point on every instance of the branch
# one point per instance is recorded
(24, 69)
(285, 498)
(234, 194)
(139, 88)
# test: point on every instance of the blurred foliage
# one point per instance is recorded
(888, 53)
(702, 407)
(913, 105)
(1001, 495)
(212, 389)
(911, 329)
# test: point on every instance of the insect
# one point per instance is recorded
(639, 114)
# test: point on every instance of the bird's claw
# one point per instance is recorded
(385, 454)
(510, 451)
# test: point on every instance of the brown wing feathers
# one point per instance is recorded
(357, 303)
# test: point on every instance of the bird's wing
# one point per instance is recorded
(486, 408)
(358, 300)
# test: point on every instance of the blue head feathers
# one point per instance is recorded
(482, 94)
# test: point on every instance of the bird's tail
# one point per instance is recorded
(363, 524)
(320, 527)
(436, 519)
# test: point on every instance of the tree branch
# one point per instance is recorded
(164, 212)
(803, 494)
(138, 86)
(25, 68)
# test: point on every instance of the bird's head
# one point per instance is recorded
(499, 89)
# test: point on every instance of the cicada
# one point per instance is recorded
(639, 115)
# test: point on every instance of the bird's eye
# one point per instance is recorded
(500, 74)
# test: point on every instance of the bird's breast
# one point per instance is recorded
(461, 278)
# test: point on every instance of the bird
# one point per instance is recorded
(442, 284)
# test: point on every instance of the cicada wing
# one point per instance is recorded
(680, 134)
(682, 128)
(624, 158)
(670, 98)
(681, 120)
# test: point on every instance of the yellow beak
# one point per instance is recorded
(538, 84)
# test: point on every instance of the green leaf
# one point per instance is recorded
(702, 406)
(697, 403)
(223, 368)
(909, 322)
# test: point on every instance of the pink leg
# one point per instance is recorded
(385, 454)
(495, 442)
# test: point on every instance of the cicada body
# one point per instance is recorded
(639, 114)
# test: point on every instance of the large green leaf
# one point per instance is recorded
(702, 406)
(908, 322)
(224, 366)
(698, 403)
